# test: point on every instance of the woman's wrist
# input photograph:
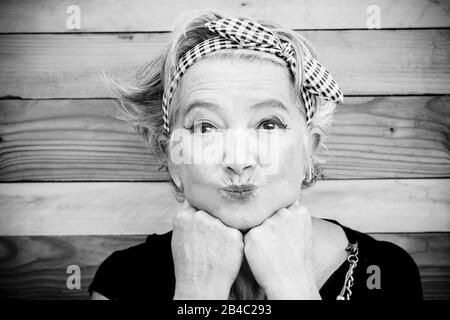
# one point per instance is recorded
(211, 291)
(293, 294)
(293, 290)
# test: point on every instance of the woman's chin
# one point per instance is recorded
(242, 219)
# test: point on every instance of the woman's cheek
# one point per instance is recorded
(270, 151)
(213, 148)
(280, 152)
(285, 184)
(198, 176)
(200, 149)
(293, 158)
(207, 155)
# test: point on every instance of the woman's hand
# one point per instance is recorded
(280, 253)
(207, 255)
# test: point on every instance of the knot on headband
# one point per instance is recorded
(238, 33)
(254, 36)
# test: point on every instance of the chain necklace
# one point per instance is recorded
(346, 291)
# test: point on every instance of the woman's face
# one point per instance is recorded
(237, 140)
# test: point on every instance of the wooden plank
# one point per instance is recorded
(421, 245)
(79, 140)
(143, 208)
(35, 267)
(373, 62)
(389, 137)
(71, 140)
(143, 15)
(436, 283)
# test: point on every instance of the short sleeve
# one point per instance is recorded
(400, 276)
(143, 271)
(103, 280)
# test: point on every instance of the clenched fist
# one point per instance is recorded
(207, 255)
(280, 253)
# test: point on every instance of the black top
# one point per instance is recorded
(146, 271)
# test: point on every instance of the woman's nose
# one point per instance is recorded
(240, 152)
(239, 169)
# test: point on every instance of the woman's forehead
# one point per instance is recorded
(221, 79)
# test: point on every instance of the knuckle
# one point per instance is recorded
(239, 245)
(247, 241)
(248, 236)
(235, 234)
(179, 215)
(284, 214)
(303, 210)
(200, 213)
(281, 214)
(179, 218)
(201, 216)
(247, 249)
(302, 213)
(252, 234)
(206, 220)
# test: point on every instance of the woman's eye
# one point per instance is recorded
(202, 127)
(271, 124)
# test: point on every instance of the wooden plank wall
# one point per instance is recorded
(76, 184)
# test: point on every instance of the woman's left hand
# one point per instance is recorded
(280, 253)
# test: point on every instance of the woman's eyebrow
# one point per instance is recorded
(200, 104)
(269, 103)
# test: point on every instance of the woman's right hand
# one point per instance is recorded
(207, 255)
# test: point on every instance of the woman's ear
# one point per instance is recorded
(315, 137)
(173, 174)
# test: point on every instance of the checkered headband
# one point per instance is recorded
(238, 33)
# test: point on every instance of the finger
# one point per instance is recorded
(279, 214)
(208, 218)
(205, 216)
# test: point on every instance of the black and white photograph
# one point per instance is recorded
(225, 150)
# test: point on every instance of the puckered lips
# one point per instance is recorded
(242, 192)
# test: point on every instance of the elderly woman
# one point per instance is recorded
(239, 110)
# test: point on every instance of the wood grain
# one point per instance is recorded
(35, 267)
(143, 208)
(79, 140)
(158, 15)
(71, 140)
(69, 65)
